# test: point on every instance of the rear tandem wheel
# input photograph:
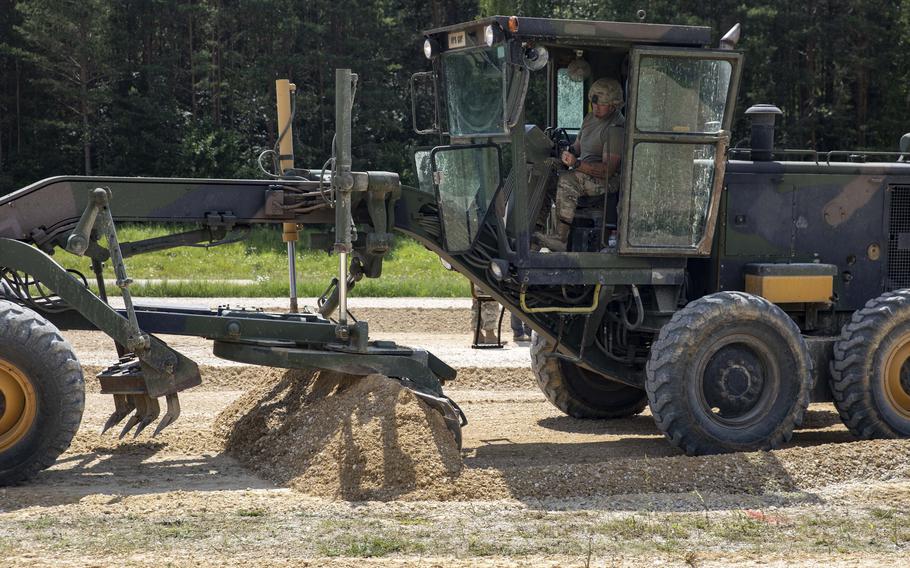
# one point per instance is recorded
(729, 372)
(41, 393)
(871, 368)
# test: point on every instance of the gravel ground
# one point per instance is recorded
(535, 488)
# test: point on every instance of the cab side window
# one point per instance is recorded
(570, 101)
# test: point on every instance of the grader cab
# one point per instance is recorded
(725, 287)
(722, 286)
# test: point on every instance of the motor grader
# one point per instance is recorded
(724, 285)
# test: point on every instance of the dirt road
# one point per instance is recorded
(538, 488)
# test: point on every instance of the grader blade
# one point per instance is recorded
(451, 413)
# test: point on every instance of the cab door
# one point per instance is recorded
(679, 113)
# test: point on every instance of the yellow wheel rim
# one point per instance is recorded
(897, 393)
(18, 405)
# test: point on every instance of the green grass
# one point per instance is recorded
(408, 270)
(42, 522)
(251, 513)
(178, 529)
(370, 546)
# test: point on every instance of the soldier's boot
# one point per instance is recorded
(557, 242)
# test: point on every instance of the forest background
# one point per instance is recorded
(185, 88)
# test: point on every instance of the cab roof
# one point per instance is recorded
(586, 32)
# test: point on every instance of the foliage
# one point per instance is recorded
(185, 87)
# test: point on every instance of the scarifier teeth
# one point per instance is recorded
(122, 407)
(147, 410)
(173, 412)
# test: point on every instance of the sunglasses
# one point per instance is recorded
(598, 101)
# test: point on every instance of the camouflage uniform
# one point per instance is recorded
(574, 184)
(599, 135)
(489, 318)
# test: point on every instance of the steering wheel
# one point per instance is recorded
(560, 138)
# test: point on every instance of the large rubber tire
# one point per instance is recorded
(729, 372)
(871, 368)
(581, 393)
(42, 393)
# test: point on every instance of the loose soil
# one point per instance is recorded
(367, 438)
(340, 436)
(333, 471)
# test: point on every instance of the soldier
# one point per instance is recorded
(593, 160)
(488, 311)
(521, 332)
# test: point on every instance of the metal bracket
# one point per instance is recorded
(98, 211)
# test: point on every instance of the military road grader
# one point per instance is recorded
(724, 285)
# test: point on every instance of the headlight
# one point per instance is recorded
(488, 35)
(429, 48)
(499, 268)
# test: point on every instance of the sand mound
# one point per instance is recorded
(342, 436)
(367, 438)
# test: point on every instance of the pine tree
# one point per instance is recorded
(69, 43)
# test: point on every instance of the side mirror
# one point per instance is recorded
(905, 147)
(518, 91)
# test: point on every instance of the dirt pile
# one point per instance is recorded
(367, 438)
(335, 435)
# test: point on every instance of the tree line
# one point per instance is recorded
(185, 88)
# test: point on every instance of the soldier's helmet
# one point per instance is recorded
(605, 90)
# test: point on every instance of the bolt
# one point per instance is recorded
(345, 181)
(137, 343)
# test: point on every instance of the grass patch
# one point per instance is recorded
(40, 523)
(250, 513)
(638, 528)
(408, 270)
(370, 546)
(413, 521)
(177, 529)
(741, 528)
(482, 547)
(6, 546)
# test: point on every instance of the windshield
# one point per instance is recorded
(679, 94)
(475, 86)
(467, 177)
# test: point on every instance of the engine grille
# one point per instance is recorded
(899, 238)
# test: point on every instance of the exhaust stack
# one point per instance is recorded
(762, 143)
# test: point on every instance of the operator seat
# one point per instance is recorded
(595, 217)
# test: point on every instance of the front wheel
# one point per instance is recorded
(729, 372)
(42, 393)
(581, 393)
